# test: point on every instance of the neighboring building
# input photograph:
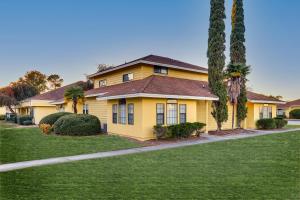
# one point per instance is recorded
(131, 98)
(47, 103)
(2, 110)
(285, 109)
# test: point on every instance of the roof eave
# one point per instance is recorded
(265, 101)
(149, 95)
(146, 62)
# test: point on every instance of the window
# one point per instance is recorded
(171, 113)
(127, 77)
(122, 111)
(265, 112)
(85, 109)
(102, 83)
(182, 113)
(160, 70)
(115, 113)
(160, 114)
(130, 114)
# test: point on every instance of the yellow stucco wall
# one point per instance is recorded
(2, 110)
(253, 113)
(40, 112)
(98, 108)
(145, 116)
(141, 71)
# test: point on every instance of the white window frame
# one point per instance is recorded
(172, 113)
(129, 75)
(102, 83)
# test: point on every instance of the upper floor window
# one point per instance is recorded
(102, 83)
(127, 77)
(85, 109)
(160, 70)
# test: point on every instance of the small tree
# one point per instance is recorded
(7, 98)
(74, 93)
(55, 81)
(236, 74)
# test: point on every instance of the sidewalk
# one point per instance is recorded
(209, 139)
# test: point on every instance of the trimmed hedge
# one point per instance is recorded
(77, 125)
(183, 130)
(27, 122)
(295, 114)
(52, 118)
(21, 119)
(280, 122)
(266, 124)
(2, 117)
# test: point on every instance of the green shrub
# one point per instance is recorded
(280, 122)
(22, 118)
(77, 125)
(52, 118)
(266, 124)
(295, 114)
(2, 117)
(183, 130)
(27, 122)
(160, 131)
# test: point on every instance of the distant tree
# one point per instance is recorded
(36, 79)
(74, 93)
(238, 55)
(7, 98)
(216, 60)
(55, 81)
(102, 67)
(279, 97)
(236, 74)
(23, 90)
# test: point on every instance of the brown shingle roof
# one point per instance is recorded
(290, 103)
(161, 85)
(159, 60)
(260, 97)
(56, 94)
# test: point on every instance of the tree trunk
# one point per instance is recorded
(219, 124)
(233, 116)
(75, 106)
(11, 110)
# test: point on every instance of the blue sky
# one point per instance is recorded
(71, 37)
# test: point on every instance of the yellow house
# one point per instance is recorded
(131, 98)
(2, 110)
(288, 107)
(47, 103)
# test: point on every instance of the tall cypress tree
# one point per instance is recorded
(216, 60)
(238, 54)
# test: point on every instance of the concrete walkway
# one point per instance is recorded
(209, 139)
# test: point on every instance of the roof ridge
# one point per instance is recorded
(147, 82)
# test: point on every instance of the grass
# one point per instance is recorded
(21, 144)
(4, 124)
(264, 167)
(289, 126)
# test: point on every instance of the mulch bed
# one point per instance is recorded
(155, 142)
(230, 132)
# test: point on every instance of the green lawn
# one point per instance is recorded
(20, 144)
(264, 167)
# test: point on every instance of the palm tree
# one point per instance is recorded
(74, 93)
(236, 74)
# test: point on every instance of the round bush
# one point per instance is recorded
(266, 124)
(280, 122)
(52, 118)
(77, 125)
(295, 114)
